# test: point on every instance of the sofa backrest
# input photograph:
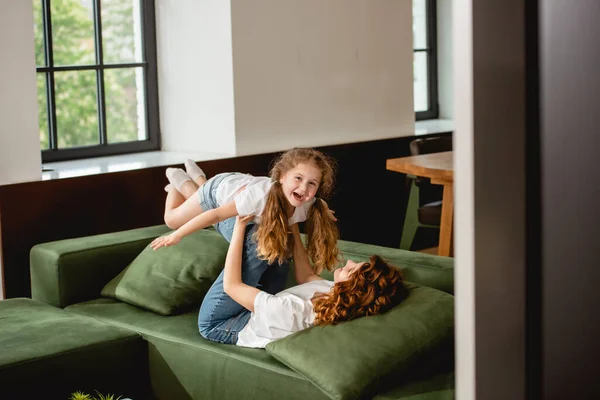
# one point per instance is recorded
(421, 268)
(74, 270)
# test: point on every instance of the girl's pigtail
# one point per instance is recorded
(272, 237)
(322, 236)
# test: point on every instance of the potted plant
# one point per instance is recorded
(99, 396)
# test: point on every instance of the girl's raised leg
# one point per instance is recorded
(179, 210)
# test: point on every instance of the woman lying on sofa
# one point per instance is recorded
(357, 290)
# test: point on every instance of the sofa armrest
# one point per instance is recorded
(70, 271)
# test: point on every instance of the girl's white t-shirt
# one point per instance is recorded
(250, 196)
(277, 316)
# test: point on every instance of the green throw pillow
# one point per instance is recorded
(348, 360)
(171, 279)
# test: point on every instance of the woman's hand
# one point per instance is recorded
(165, 241)
(243, 221)
(330, 212)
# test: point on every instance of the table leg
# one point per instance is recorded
(445, 243)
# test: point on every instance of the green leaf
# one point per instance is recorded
(80, 396)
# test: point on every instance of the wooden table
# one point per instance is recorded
(439, 168)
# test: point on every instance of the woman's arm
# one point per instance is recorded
(233, 285)
(200, 221)
(303, 270)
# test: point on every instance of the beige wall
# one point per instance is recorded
(293, 73)
(313, 72)
(306, 73)
(20, 158)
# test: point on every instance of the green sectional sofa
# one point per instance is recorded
(49, 353)
(71, 274)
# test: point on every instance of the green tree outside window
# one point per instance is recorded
(76, 96)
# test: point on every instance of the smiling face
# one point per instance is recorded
(342, 274)
(300, 184)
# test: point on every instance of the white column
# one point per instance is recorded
(195, 76)
(20, 156)
(464, 245)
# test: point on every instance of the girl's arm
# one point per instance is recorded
(200, 221)
(303, 270)
(233, 285)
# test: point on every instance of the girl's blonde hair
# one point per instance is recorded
(373, 288)
(272, 235)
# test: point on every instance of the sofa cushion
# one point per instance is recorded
(49, 353)
(184, 365)
(347, 360)
(171, 279)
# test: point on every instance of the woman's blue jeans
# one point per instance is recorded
(221, 318)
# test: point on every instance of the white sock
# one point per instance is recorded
(177, 177)
(193, 170)
(169, 187)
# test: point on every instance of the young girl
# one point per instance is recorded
(287, 197)
(358, 289)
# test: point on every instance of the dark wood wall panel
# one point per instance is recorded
(369, 202)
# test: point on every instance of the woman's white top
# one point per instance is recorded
(277, 316)
(253, 198)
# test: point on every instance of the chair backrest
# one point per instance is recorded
(430, 145)
(429, 193)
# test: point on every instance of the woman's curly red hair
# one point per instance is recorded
(373, 288)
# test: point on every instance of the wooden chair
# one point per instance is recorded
(424, 209)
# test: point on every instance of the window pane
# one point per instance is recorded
(420, 81)
(125, 105)
(419, 24)
(121, 31)
(38, 31)
(43, 111)
(76, 108)
(73, 32)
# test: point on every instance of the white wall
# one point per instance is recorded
(464, 244)
(313, 72)
(490, 139)
(195, 76)
(20, 157)
(268, 75)
(307, 73)
(445, 53)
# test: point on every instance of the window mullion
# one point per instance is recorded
(100, 73)
(50, 88)
(432, 66)
(430, 51)
(147, 10)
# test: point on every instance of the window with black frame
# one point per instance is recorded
(96, 77)
(425, 61)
